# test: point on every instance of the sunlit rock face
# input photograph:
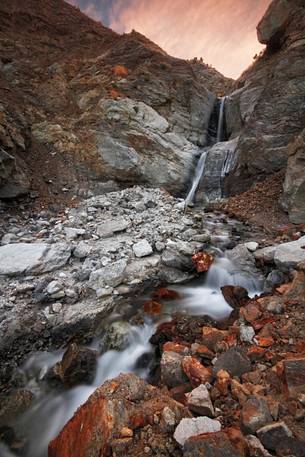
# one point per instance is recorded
(268, 107)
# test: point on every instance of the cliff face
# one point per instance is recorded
(81, 103)
(267, 109)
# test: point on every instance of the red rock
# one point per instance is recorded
(258, 325)
(255, 414)
(239, 391)
(176, 347)
(152, 307)
(179, 393)
(195, 371)
(120, 70)
(202, 261)
(251, 312)
(283, 289)
(212, 336)
(210, 444)
(238, 440)
(235, 296)
(202, 351)
(265, 342)
(256, 353)
(166, 294)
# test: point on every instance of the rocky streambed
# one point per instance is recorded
(193, 302)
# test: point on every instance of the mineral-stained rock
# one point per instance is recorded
(172, 374)
(255, 414)
(294, 372)
(78, 365)
(199, 401)
(211, 337)
(271, 435)
(125, 402)
(188, 428)
(210, 445)
(195, 371)
(234, 361)
(32, 258)
(202, 261)
(236, 296)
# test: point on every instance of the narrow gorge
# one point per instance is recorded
(152, 253)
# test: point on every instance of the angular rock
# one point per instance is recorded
(35, 258)
(210, 445)
(271, 435)
(234, 361)
(211, 337)
(274, 21)
(172, 374)
(199, 402)
(246, 333)
(235, 296)
(289, 255)
(255, 414)
(188, 428)
(195, 371)
(202, 261)
(256, 448)
(109, 228)
(112, 275)
(142, 249)
(82, 250)
(294, 373)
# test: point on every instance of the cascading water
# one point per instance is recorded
(197, 177)
(221, 120)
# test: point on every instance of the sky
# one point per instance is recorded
(222, 32)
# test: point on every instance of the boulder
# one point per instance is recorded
(199, 402)
(255, 414)
(32, 258)
(234, 361)
(274, 21)
(110, 418)
(188, 428)
(288, 255)
(271, 435)
(210, 445)
(172, 374)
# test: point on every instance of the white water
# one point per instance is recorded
(197, 177)
(220, 120)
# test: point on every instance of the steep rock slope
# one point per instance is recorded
(267, 109)
(82, 103)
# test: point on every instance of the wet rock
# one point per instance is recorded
(172, 374)
(199, 402)
(241, 257)
(234, 361)
(125, 402)
(78, 365)
(294, 373)
(195, 371)
(210, 445)
(236, 296)
(271, 435)
(166, 294)
(289, 255)
(255, 414)
(13, 405)
(202, 261)
(32, 258)
(116, 335)
(110, 227)
(142, 248)
(188, 428)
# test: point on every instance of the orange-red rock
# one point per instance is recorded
(195, 371)
(238, 440)
(256, 353)
(202, 261)
(152, 307)
(212, 336)
(165, 294)
(223, 380)
(170, 346)
(251, 312)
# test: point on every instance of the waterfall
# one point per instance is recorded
(197, 177)
(221, 119)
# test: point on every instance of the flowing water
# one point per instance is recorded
(53, 408)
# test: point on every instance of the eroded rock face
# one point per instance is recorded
(115, 416)
(267, 108)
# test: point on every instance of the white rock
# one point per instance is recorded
(199, 401)
(252, 246)
(72, 233)
(54, 287)
(194, 427)
(108, 228)
(112, 275)
(8, 238)
(289, 255)
(142, 249)
(246, 333)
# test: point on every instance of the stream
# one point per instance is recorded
(53, 408)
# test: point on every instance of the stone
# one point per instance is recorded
(255, 414)
(112, 275)
(73, 233)
(294, 374)
(202, 261)
(142, 248)
(252, 246)
(82, 250)
(195, 371)
(111, 227)
(265, 255)
(8, 238)
(246, 333)
(54, 287)
(188, 428)
(126, 402)
(32, 258)
(172, 374)
(289, 255)
(274, 21)
(271, 435)
(199, 402)
(210, 445)
(234, 361)
(78, 366)
(256, 448)
(13, 405)
(211, 337)
(235, 296)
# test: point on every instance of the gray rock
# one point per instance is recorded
(111, 275)
(8, 238)
(246, 333)
(275, 278)
(54, 287)
(271, 435)
(288, 255)
(252, 246)
(73, 233)
(274, 21)
(142, 249)
(255, 414)
(234, 361)
(35, 258)
(172, 374)
(188, 428)
(266, 254)
(82, 250)
(256, 448)
(109, 228)
(199, 401)
(13, 405)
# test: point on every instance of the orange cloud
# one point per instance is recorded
(223, 32)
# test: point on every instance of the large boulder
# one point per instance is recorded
(274, 21)
(294, 185)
